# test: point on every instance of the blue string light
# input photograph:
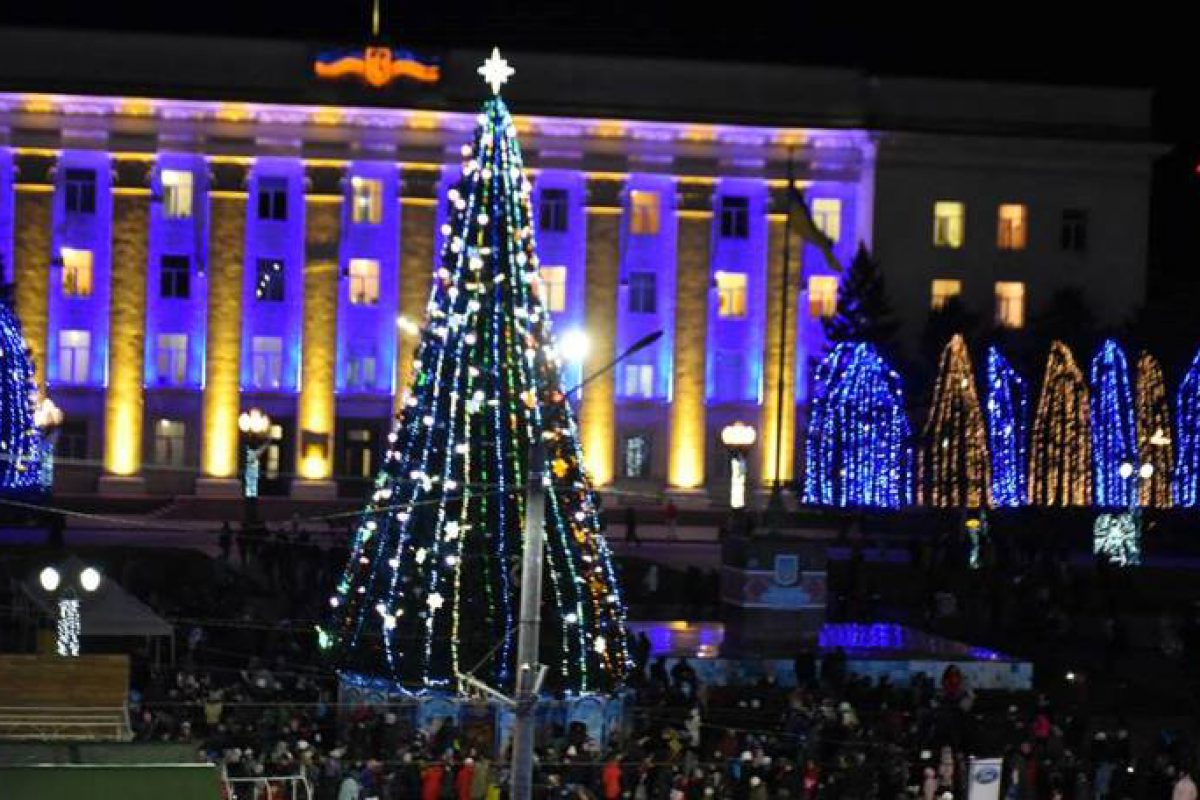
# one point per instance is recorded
(20, 440)
(1187, 429)
(1114, 435)
(1008, 431)
(857, 449)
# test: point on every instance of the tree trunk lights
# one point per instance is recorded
(953, 469)
(1060, 469)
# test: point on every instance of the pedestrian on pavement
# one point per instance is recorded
(631, 536)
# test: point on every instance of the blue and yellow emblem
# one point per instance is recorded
(376, 65)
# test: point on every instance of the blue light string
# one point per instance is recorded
(1008, 431)
(1187, 429)
(1114, 435)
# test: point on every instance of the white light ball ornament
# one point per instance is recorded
(574, 346)
(50, 579)
(89, 579)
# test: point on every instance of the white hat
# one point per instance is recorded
(755, 780)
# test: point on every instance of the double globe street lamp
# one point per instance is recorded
(256, 434)
(65, 590)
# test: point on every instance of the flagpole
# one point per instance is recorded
(775, 504)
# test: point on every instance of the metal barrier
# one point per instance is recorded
(60, 723)
(288, 787)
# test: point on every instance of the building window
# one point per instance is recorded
(77, 272)
(272, 198)
(272, 458)
(175, 277)
(269, 281)
(827, 215)
(643, 293)
(1012, 226)
(942, 291)
(643, 209)
(731, 295)
(735, 217)
(266, 362)
(1010, 304)
(80, 187)
(949, 224)
(364, 281)
(171, 358)
(1073, 236)
(359, 455)
(176, 193)
(636, 463)
(72, 440)
(637, 380)
(554, 288)
(74, 348)
(169, 435)
(360, 370)
(552, 211)
(367, 201)
(822, 296)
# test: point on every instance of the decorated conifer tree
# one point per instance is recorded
(431, 589)
(1060, 452)
(952, 464)
(20, 440)
(863, 312)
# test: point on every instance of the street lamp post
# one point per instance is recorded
(738, 438)
(68, 619)
(256, 432)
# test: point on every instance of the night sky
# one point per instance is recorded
(1143, 44)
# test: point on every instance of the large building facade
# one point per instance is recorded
(190, 237)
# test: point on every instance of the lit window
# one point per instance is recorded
(637, 456)
(367, 203)
(1010, 304)
(643, 292)
(827, 215)
(552, 211)
(268, 286)
(1073, 236)
(1012, 226)
(273, 457)
(77, 272)
(74, 348)
(822, 296)
(79, 188)
(272, 199)
(169, 437)
(266, 361)
(637, 380)
(942, 291)
(176, 193)
(643, 210)
(364, 281)
(949, 224)
(174, 277)
(731, 295)
(171, 358)
(554, 288)
(735, 217)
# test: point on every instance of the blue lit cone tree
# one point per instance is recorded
(20, 440)
(432, 584)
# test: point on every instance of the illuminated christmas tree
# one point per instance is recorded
(1060, 456)
(20, 440)
(1187, 427)
(1154, 433)
(1008, 434)
(857, 446)
(1114, 435)
(431, 587)
(952, 464)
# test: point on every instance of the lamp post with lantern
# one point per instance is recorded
(738, 438)
(255, 427)
(64, 589)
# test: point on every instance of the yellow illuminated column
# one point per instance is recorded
(418, 217)
(772, 432)
(31, 270)
(597, 410)
(124, 401)
(314, 454)
(686, 466)
(223, 352)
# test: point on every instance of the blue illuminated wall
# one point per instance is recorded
(565, 249)
(370, 329)
(172, 237)
(648, 253)
(275, 239)
(735, 345)
(91, 231)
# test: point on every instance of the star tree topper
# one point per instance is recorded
(496, 71)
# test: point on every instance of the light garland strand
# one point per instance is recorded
(1187, 428)
(1114, 435)
(1155, 442)
(1008, 431)
(21, 449)
(953, 469)
(1060, 468)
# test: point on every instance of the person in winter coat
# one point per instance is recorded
(464, 779)
(431, 781)
(610, 778)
